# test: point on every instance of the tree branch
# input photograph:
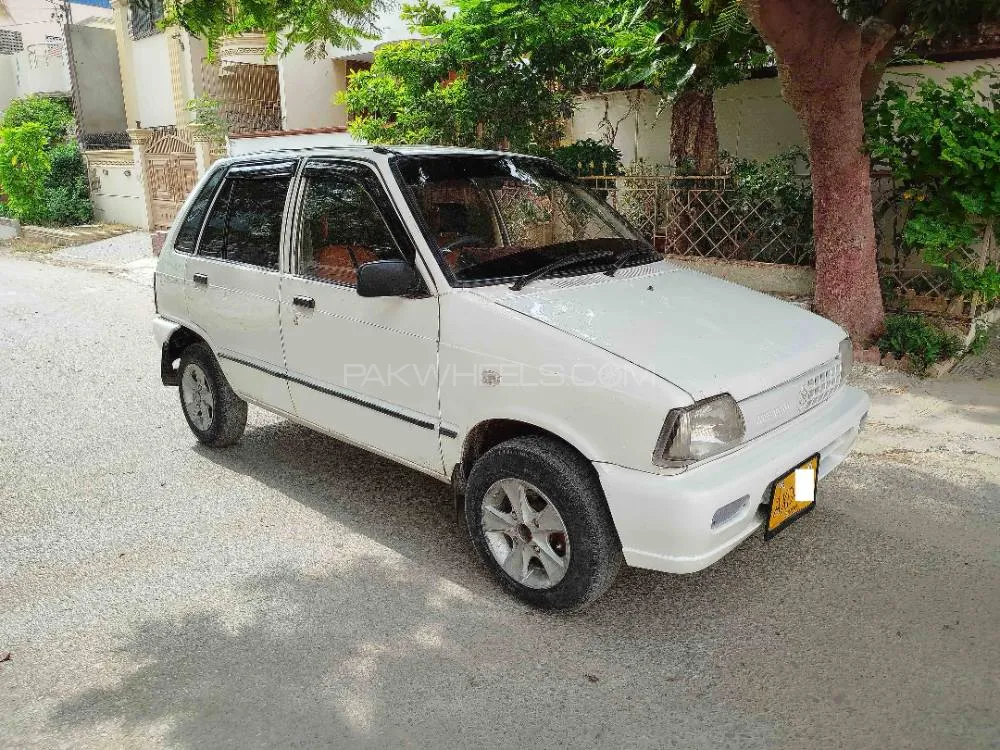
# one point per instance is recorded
(876, 36)
(893, 13)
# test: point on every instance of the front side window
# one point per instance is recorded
(502, 217)
(245, 223)
(340, 228)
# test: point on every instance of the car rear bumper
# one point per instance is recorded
(665, 522)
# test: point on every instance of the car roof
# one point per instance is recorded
(370, 152)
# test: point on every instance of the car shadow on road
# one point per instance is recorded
(860, 634)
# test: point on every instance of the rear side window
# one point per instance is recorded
(244, 225)
(187, 235)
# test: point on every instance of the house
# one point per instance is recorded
(43, 53)
(166, 75)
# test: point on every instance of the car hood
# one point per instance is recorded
(704, 335)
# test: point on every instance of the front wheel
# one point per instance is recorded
(539, 521)
(215, 414)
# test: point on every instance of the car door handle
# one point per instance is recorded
(200, 278)
(307, 302)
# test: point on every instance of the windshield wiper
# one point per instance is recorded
(624, 258)
(557, 264)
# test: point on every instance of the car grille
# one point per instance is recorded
(819, 387)
(783, 403)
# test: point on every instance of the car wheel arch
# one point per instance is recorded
(173, 347)
(491, 432)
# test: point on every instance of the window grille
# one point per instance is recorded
(10, 42)
(143, 17)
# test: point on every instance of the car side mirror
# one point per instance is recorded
(388, 278)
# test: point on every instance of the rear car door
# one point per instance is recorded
(233, 280)
(362, 368)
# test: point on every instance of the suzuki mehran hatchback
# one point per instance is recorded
(483, 318)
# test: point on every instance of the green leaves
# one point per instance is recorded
(942, 143)
(287, 23)
(672, 46)
(52, 113)
(503, 75)
(42, 173)
(24, 165)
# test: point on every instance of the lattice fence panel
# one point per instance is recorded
(706, 217)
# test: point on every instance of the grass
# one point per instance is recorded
(21, 246)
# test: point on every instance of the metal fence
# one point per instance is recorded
(708, 217)
(714, 217)
(104, 141)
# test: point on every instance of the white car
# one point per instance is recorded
(482, 318)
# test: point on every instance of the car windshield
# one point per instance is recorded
(494, 218)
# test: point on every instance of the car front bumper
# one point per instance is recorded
(665, 522)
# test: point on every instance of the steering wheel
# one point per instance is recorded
(465, 239)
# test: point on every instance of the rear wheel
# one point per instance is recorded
(539, 521)
(215, 414)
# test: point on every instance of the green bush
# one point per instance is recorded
(924, 342)
(942, 142)
(67, 195)
(41, 171)
(54, 115)
(24, 167)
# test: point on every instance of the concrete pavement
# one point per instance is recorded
(294, 590)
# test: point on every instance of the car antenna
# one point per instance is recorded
(384, 150)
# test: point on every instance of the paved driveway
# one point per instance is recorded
(293, 590)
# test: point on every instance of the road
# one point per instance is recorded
(294, 590)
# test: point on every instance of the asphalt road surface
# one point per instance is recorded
(296, 591)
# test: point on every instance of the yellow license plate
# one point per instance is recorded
(787, 504)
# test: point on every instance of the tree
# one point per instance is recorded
(831, 54)
(684, 50)
(287, 23)
(500, 74)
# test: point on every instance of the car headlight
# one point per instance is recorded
(699, 431)
(846, 359)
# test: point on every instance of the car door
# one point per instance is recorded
(233, 280)
(362, 368)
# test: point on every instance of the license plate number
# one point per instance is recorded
(792, 495)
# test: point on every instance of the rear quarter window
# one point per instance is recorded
(187, 235)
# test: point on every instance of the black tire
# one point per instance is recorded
(228, 415)
(568, 481)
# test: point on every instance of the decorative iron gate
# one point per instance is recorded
(171, 173)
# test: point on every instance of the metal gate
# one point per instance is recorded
(171, 175)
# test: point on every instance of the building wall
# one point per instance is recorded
(307, 91)
(753, 120)
(302, 139)
(643, 132)
(116, 188)
(101, 107)
(33, 18)
(154, 94)
(8, 81)
(42, 69)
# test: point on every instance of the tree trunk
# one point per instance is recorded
(694, 139)
(847, 285)
(821, 59)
